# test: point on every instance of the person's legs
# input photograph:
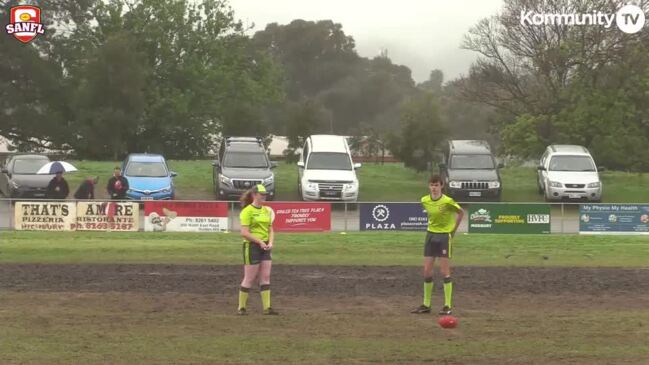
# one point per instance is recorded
(445, 269)
(429, 262)
(249, 276)
(264, 283)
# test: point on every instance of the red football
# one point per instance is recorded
(447, 321)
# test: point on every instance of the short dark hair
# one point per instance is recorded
(436, 179)
(117, 168)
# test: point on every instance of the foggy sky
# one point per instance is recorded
(421, 34)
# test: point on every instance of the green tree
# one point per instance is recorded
(422, 132)
(304, 119)
(144, 75)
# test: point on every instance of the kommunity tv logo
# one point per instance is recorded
(629, 18)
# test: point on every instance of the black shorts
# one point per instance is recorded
(253, 254)
(438, 245)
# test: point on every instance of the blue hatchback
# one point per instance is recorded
(148, 177)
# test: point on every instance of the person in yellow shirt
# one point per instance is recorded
(444, 217)
(257, 232)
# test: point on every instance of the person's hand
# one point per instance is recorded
(269, 246)
(263, 245)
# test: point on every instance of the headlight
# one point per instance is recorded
(595, 185)
(494, 184)
(167, 189)
(311, 186)
(554, 184)
(129, 191)
(351, 186)
(15, 185)
(226, 180)
(455, 184)
(269, 180)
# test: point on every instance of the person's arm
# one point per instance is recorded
(271, 237)
(65, 190)
(110, 187)
(458, 218)
(124, 184)
(245, 233)
(50, 190)
(91, 191)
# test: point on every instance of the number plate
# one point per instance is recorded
(475, 193)
(146, 198)
(574, 196)
(330, 193)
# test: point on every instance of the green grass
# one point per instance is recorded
(51, 328)
(322, 249)
(389, 182)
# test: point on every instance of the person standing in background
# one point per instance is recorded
(117, 185)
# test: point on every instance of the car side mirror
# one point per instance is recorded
(357, 166)
(216, 163)
(300, 164)
(173, 174)
(540, 168)
(273, 164)
(501, 165)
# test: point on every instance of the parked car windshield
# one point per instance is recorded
(249, 160)
(27, 167)
(472, 162)
(146, 169)
(572, 163)
(329, 161)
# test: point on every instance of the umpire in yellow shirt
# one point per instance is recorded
(444, 217)
(257, 232)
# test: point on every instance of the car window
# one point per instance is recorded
(572, 163)
(305, 152)
(252, 160)
(146, 169)
(329, 161)
(544, 158)
(28, 166)
(472, 162)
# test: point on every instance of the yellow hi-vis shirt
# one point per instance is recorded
(441, 213)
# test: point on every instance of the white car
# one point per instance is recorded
(568, 172)
(326, 170)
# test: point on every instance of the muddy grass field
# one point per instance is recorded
(185, 314)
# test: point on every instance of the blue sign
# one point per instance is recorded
(392, 217)
(614, 218)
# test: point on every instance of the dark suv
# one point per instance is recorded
(242, 163)
(470, 171)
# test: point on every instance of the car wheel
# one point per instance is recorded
(547, 197)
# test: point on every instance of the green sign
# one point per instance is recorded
(509, 218)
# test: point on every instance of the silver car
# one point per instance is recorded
(18, 178)
(568, 172)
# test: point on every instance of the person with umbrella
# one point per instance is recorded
(57, 188)
(86, 190)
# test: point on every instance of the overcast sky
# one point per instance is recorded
(421, 34)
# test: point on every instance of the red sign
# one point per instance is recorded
(301, 217)
(185, 216)
(25, 23)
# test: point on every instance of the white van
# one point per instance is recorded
(568, 172)
(326, 170)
